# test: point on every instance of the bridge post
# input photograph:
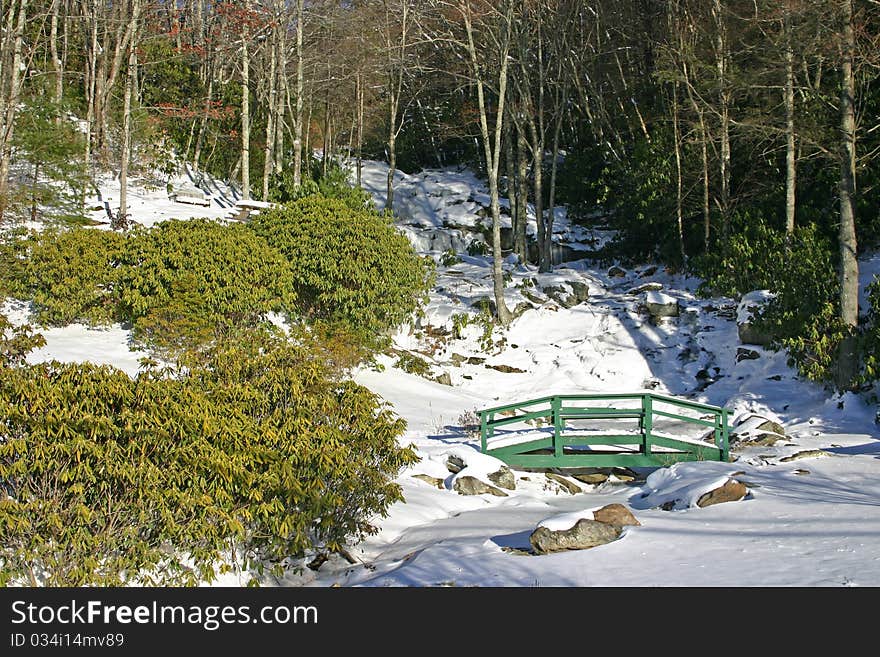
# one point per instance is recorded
(555, 406)
(647, 420)
(483, 430)
(725, 445)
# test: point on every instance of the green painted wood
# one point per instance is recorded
(707, 452)
(557, 427)
(523, 454)
(520, 448)
(691, 420)
(596, 460)
(513, 419)
(725, 437)
(622, 439)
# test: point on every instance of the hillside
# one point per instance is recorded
(812, 513)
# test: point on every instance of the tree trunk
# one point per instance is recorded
(722, 64)
(10, 104)
(298, 118)
(492, 151)
(510, 172)
(269, 153)
(520, 242)
(282, 82)
(245, 112)
(678, 186)
(849, 266)
(790, 146)
(126, 115)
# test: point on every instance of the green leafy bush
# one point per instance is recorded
(335, 184)
(16, 342)
(71, 275)
(183, 283)
(801, 272)
(14, 245)
(253, 446)
(350, 267)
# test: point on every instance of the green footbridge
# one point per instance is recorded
(643, 429)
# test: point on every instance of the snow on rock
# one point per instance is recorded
(682, 485)
(660, 304)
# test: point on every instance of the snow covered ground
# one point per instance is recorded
(809, 521)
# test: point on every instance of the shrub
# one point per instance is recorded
(251, 445)
(14, 245)
(71, 275)
(800, 270)
(350, 267)
(16, 342)
(183, 283)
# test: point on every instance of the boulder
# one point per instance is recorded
(750, 307)
(581, 291)
(566, 485)
(454, 464)
(624, 474)
(445, 379)
(806, 454)
(746, 354)
(616, 272)
(615, 514)
(506, 369)
(468, 485)
(436, 482)
(757, 430)
(503, 477)
(584, 535)
(661, 305)
(731, 491)
(646, 287)
(592, 478)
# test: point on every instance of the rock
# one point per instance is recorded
(616, 272)
(581, 291)
(457, 359)
(445, 379)
(591, 478)
(746, 354)
(625, 474)
(468, 485)
(771, 426)
(757, 430)
(584, 535)
(646, 287)
(615, 514)
(189, 194)
(534, 298)
(661, 305)
(504, 478)
(801, 471)
(569, 487)
(521, 308)
(766, 439)
(475, 360)
(806, 454)
(732, 491)
(648, 271)
(748, 334)
(507, 369)
(436, 482)
(751, 306)
(454, 464)
(560, 295)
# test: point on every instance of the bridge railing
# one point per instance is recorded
(645, 408)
